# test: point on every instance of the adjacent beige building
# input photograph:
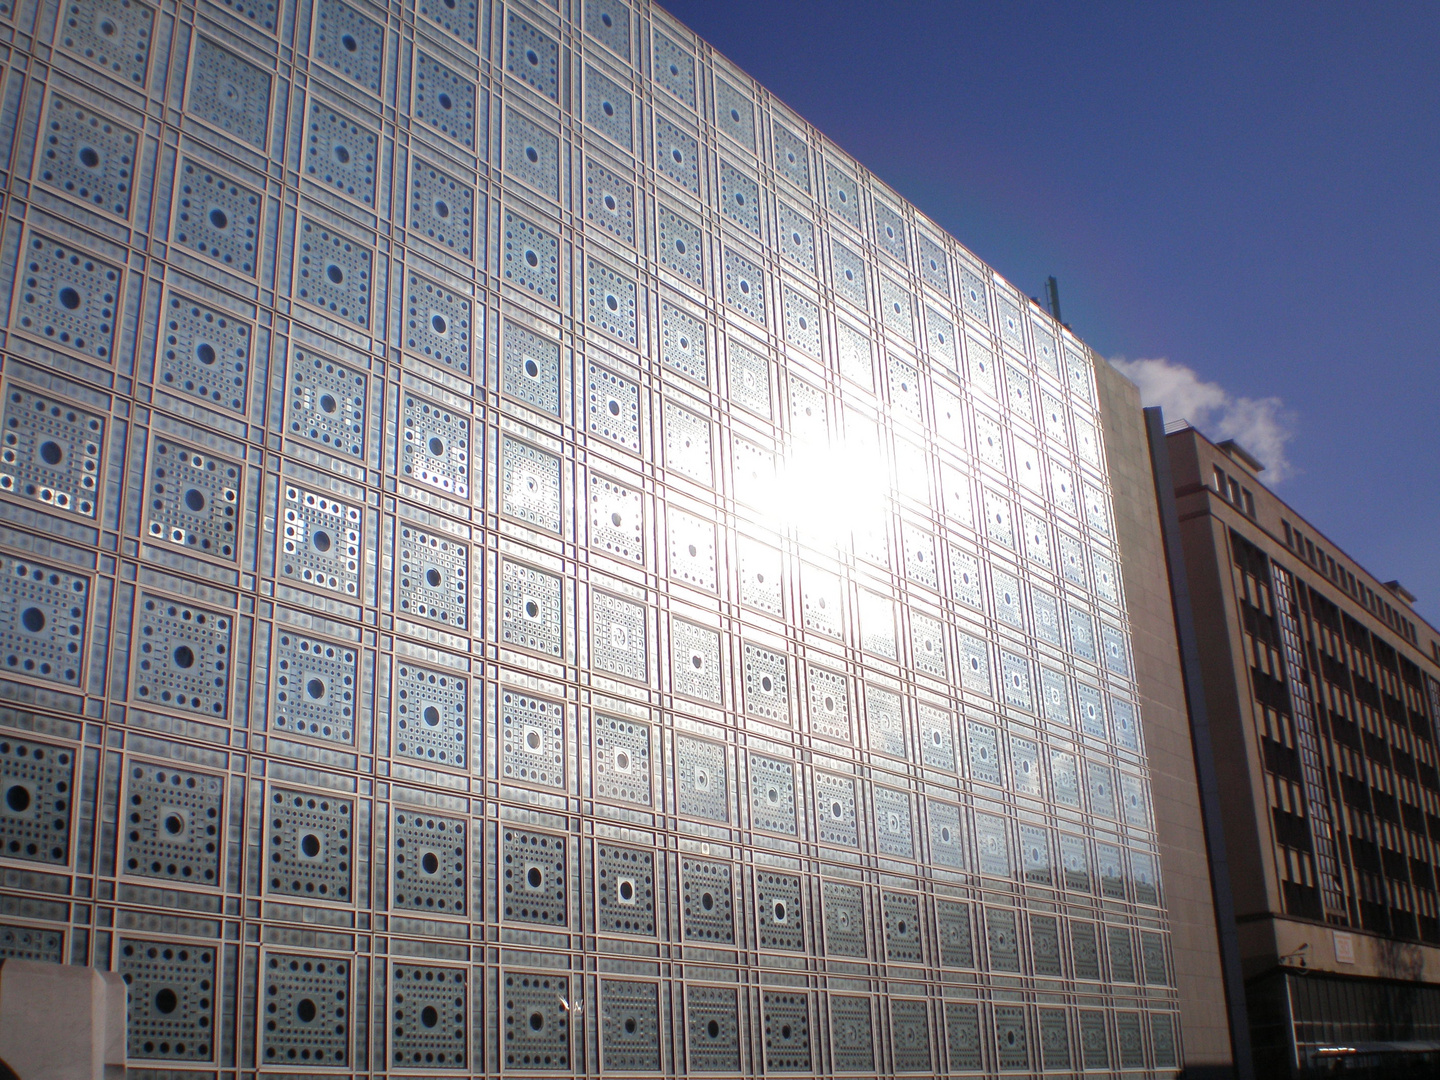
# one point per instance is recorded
(1321, 694)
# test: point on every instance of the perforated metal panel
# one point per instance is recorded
(217, 217)
(610, 201)
(193, 499)
(432, 577)
(530, 368)
(319, 541)
(309, 844)
(442, 209)
(894, 829)
(435, 446)
(1011, 1040)
(114, 35)
(625, 889)
(305, 1018)
(702, 789)
(622, 759)
(326, 403)
(712, 1028)
(844, 919)
(910, 1035)
(458, 17)
(315, 686)
(707, 901)
(333, 272)
(617, 524)
(535, 1022)
(532, 739)
(852, 1029)
(88, 156)
(772, 795)
(229, 92)
(340, 154)
(786, 1019)
(67, 297)
(835, 819)
(445, 100)
(183, 658)
(779, 918)
(904, 936)
(530, 258)
(350, 43)
(204, 354)
(32, 943)
(171, 999)
(530, 608)
(432, 715)
(674, 68)
(37, 785)
(952, 920)
(532, 154)
(429, 1017)
(629, 1026)
(534, 877)
(962, 1035)
(429, 860)
(618, 636)
(51, 451)
(173, 824)
(530, 484)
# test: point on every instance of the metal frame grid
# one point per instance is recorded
(488, 325)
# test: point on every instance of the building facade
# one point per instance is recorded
(517, 556)
(1322, 689)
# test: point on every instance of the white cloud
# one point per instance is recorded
(1261, 425)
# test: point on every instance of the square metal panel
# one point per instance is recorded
(844, 914)
(786, 1030)
(429, 862)
(533, 746)
(622, 757)
(37, 789)
(625, 890)
(629, 1026)
(306, 1015)
(852, 1031)
(707, 901)
(535, 1021)
(772, 795)
(835, 819)
(309, 842)
(779, 918)
(432, 715)
(701, 787)
(314, 686)
(534, 877)
(171, 990)
(712, 1028)
(910, 1035)
(184, 656)
(429, 1017)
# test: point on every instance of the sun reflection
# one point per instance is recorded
(830, 492)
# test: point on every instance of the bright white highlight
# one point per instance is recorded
(829, 492)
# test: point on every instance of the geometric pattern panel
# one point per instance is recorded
(37, 787)
(171, 990)
(51, 452)
(429, 858)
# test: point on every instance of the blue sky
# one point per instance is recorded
(1247, 191)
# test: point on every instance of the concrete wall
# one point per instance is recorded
(1183, 857)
